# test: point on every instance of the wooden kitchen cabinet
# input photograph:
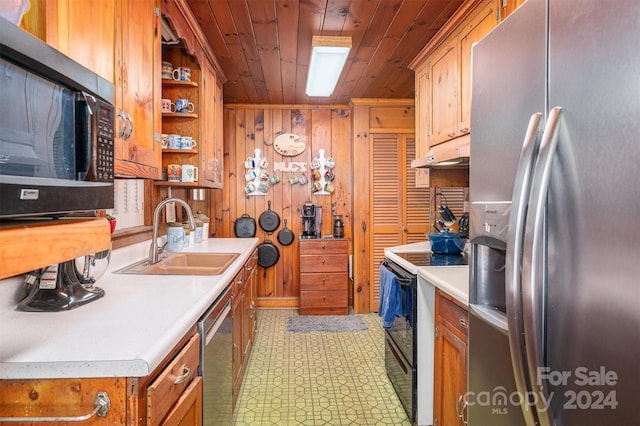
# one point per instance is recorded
(119, 40)
(324, 269)
(443, 81)
(449, 89)
(472, 30)
(450, 361)
(171, 389)
(442, 103)
(84, 31)
(243, 313)
(137, 138)
(211, 128)
(170, 395)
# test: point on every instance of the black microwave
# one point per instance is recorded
(56, 131)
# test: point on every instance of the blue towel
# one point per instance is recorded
(390, 297)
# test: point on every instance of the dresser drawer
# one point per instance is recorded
(329, 281)
(168, 387)
(321, 299)
(452, 313)
(323, 246)
(323, 263)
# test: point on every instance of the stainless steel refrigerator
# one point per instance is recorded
(554, 334)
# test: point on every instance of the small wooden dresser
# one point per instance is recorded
(324, 270)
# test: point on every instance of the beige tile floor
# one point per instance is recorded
(317, 378)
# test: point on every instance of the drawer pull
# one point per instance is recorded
(101, 406)
(451, 134)
(323, 261)
(463, 323)
(186, 373)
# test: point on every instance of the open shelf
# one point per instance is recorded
(178, 115)
(178, 83)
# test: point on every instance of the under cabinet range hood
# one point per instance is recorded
(452, 154)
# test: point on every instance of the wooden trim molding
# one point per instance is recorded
(29, 245)
(447, 29)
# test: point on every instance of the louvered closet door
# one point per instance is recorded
(400, 210)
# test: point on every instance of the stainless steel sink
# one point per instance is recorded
(183, 264)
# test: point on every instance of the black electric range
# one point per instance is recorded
(434, 259)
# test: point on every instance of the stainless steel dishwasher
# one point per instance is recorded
(215, 328)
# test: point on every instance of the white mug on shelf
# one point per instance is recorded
(189, 173)
(187, 142)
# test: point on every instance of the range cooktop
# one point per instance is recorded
(434, 259)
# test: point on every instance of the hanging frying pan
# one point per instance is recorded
(245, 227)
(269, 220)
(285, 235)
(268, 254)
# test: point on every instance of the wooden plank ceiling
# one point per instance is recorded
(264, 46)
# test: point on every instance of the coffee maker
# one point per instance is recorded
(308, 221)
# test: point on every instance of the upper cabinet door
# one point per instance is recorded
(474, 30)
(443, 87)
(138, 149)
(84, 31)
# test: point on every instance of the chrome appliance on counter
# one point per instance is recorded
(555, 242)
(65, 285)
(401, 335)
(56, 130)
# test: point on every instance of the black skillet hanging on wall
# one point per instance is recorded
(268, 255)
(285, 235)
(269, 220)
(245, 227)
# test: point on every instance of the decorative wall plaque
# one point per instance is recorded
(289, 145)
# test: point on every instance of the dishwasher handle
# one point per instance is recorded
(211, 331)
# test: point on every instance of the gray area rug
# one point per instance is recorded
(325, 323)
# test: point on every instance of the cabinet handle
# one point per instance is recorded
(451, 134)
(124, 123)
(101, 406)
(235, 352)
(323, 260)
(459, 409)
(186, 373)
(464, 130)
(130, 120)
(463, 323)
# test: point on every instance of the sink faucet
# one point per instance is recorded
(155, 250)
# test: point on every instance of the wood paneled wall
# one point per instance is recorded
(250, 127)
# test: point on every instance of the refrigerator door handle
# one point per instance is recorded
(533, 275)
(513, 261)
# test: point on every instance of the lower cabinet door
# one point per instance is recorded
(188, 409)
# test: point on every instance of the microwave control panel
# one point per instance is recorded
(104, 153)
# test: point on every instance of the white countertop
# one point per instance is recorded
(126, 333)
(452, 279)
